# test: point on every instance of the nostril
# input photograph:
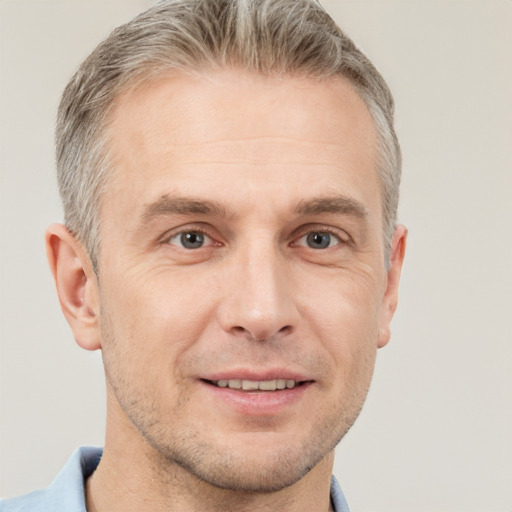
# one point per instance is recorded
(238, 330)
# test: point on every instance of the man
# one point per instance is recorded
(229, 173)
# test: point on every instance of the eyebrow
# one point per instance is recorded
(339, 205)
(169, 205)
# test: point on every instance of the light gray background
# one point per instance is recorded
(435, 434)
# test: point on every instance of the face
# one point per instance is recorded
(241, 273)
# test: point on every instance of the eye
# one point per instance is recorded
(319, 240)
(190, 239)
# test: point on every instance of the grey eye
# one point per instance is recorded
(319, 240)
(190, 239)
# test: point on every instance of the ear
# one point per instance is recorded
(77, 285)
(390, 301)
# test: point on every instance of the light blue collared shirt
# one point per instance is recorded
(67, 494)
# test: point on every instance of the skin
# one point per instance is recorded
(263, 169)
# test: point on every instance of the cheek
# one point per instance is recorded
(345, 318)
(345, 309)
(151, 320)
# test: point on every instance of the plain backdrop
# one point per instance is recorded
(436, 432)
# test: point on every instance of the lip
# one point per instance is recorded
(257, 403)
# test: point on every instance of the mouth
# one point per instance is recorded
(256, 385)
(258, 395)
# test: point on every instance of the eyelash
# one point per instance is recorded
(167, 238)
(347, 240)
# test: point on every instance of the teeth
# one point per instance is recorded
(253, 385)
(249, 385)
(267, 385)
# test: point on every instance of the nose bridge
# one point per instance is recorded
(260, 302)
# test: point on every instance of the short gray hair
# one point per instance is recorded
(269, 37)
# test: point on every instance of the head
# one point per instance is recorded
(266, 37)
(229, 172)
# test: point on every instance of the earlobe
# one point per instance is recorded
(76, 284)
(390, 301)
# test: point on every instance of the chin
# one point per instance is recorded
(253, 465)
(250, 474)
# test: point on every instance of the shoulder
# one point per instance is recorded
(65, 493)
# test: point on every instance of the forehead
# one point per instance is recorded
(234, 96)
(205, 129)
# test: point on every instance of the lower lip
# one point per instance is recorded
(258, 403)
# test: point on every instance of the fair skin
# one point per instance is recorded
(241, 241)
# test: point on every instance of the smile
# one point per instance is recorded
(263, 396)
(256, 385)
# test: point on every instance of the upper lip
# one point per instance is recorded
(257, 375)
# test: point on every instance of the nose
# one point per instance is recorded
(260, 300)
